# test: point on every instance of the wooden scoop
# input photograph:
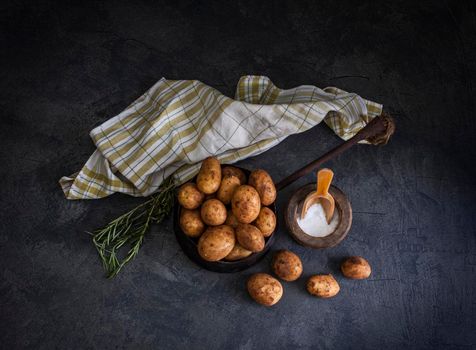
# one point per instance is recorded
(324, 179)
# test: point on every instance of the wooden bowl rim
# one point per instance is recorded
(294, 207)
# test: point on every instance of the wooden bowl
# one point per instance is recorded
(293, 211)
(189, 245)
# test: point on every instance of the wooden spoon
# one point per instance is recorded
(377, 132)
(324, 179)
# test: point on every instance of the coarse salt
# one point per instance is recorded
(315, 224)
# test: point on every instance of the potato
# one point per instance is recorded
(231, 170)
(356, 267)
(216, 242)
(287, 265)
(245, 204)
(191, 223)
(228, 186)
(250, 237)
(189, 196)
(266, 221)
(213, 212)
(264, 289)
(322, 286)
(264, 184)
(231, 219)
(209, 176)
(237, 253)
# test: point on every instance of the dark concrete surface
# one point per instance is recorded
(67, 68)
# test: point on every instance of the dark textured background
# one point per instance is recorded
(65, 69)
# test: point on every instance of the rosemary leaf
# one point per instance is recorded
(128, 230)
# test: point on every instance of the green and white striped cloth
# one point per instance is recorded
(177, 123)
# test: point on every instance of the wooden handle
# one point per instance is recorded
(375, 127)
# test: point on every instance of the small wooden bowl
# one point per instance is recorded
(189, 245)
(293, 211)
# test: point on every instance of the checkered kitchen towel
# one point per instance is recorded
(178, 123)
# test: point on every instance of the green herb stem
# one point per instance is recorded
(130, 229)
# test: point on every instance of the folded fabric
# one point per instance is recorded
(177, 123)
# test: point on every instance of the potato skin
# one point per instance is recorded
(209, 176)
(322, 286)
(250, 237)
(356, 267)
(264, 289)
(231, 170)
(237, 253)
(231, 219)
(189, 196)
(213, 212)
(229, 184)
(287, 265)
(266, 221)
(191, 222)
(264, 184)
(245, 204)
(216, 242)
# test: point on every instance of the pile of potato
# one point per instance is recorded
(226, 212)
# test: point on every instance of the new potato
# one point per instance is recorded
(237, 253)
(189, 196)
(264, 184)
(287, 265)
(216, 242)
(191, 222)
(264, 289)
(228, 185)
(250, 237)
(356, 268)
(266, 221)
(213, 212)
(231, 219)
(245, 204)
(231, 170)
(322, 286)
(209, 176)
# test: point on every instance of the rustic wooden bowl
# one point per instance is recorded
(293, 211)
(189, 245)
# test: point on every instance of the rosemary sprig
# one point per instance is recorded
(129, 229)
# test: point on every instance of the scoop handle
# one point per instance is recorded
(324, 179)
